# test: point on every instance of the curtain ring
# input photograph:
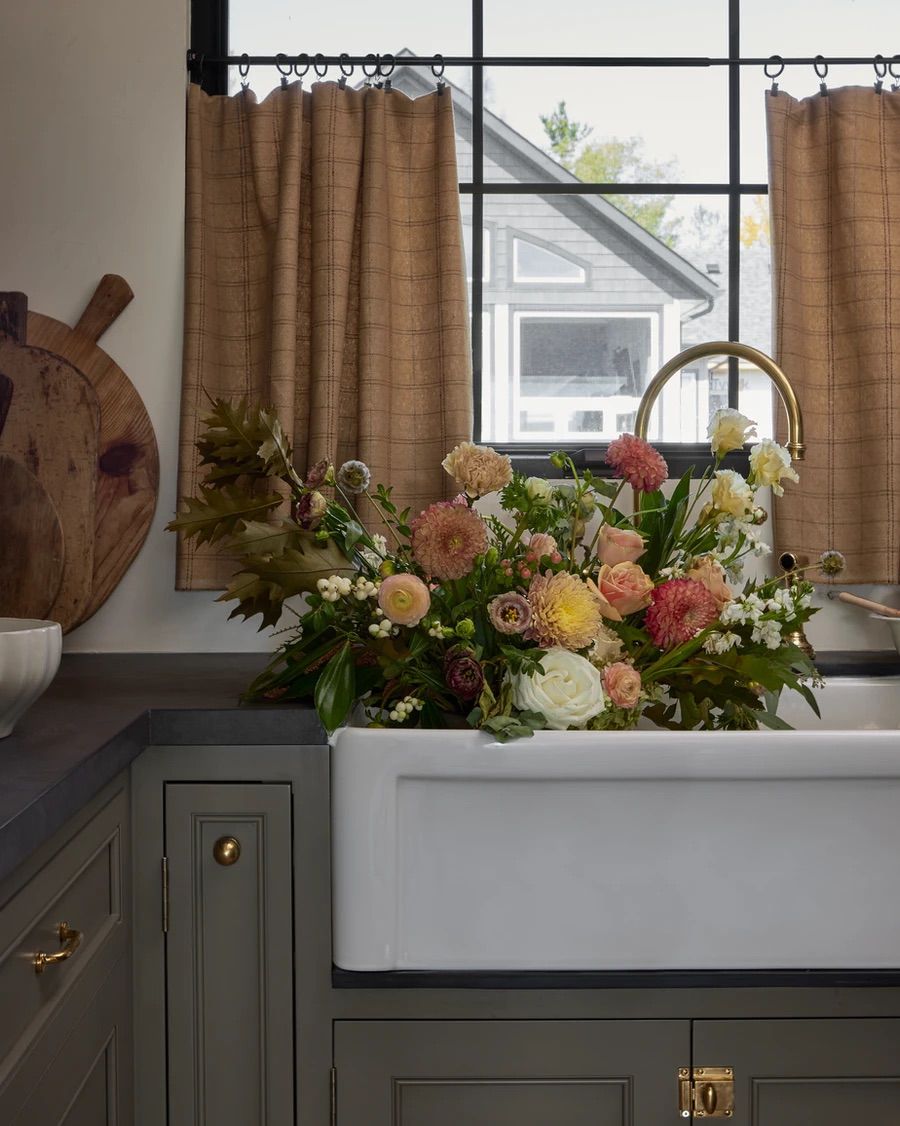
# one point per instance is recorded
(386, 61)
(346, 70)
(437, 69)
(304, 58)
(244, 70)
(895, 85)
(374, 66)
(280, 60)
(821, 73)
(319, 61)
(774, 60)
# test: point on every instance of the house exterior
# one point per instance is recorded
(581, 305)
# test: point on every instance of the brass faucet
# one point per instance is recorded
(742, 352)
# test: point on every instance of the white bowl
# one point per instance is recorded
(893, 626)
(29, 657)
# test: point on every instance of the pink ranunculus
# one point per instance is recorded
(710, 573)
(619, 545)
(404, 599)
(622, 589)
(539, 545)
(622, 683)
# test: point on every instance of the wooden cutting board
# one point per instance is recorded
(31, 544)
(52, 425)
(128, 459)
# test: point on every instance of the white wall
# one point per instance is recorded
(91, 182)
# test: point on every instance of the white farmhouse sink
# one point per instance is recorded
(635, 850)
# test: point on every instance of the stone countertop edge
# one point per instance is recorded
(104, 709)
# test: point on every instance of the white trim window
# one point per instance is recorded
(579, 375)
(535, 263)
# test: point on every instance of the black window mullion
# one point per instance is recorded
(477, 211)
(734, 193)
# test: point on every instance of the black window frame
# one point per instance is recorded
(208, 61)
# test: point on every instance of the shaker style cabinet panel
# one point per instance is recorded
(843, 1072)
(229, 954)
(508, 1073)
(88, 1083)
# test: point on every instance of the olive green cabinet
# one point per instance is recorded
(508, 1073)
(229, 954)
(842, 1072)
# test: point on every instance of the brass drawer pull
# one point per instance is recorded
(70, 939)
(227, 851)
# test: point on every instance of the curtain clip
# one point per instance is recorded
(437, 69)
(280, 62)
(774, 60)
(895, 85)
(346, 70)
(879, 62)
(820, 66)
(244, 70)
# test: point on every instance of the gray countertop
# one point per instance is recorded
(104, 709)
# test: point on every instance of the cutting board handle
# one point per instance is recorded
(14, 316)
(110, 298)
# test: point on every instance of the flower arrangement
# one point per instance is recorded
(545, 606)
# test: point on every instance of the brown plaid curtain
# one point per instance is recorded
(834, 175)
(325, 276)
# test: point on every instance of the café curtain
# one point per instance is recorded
(325, 277)
(834, 176)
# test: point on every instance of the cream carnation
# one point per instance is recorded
(770, 464)
(731, 494)
(605, 648)
(478, 470)
(568, 693)
(729, 430)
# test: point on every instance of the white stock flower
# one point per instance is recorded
(721, 642)
(568, 693)
(770, 464)
(768, 632)
(782, 602)
(729, 430)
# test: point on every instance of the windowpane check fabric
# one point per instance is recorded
(325, 276)
(834, 175)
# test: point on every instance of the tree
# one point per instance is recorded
(755, 223)
(615, 160)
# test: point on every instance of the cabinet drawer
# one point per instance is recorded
(81, 885)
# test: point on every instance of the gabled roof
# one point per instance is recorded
(528, 162)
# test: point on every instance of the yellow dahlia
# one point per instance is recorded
(564, 611)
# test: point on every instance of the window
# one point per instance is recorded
(616, 229)
(534, 263)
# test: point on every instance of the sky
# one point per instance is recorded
(680, 114)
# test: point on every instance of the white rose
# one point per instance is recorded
(769, 463)
(568, 693)
(537, 489)
(728, 430)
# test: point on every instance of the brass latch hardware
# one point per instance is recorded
(706, 1092)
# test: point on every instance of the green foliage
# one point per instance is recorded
(564, 135)
(219, 510)
(239, 440)
(336, 689)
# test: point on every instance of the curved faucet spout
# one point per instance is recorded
(765, 363)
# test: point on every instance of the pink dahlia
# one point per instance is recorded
(446, 538)
(679, 610)
(635, 460)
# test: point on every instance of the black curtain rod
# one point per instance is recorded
(388, 60)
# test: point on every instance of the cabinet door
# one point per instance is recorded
(229, 956)
(821, 1072)
(88, 1082)
(509, 1073)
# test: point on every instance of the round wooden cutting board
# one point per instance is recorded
(128, 459)
(31, 544)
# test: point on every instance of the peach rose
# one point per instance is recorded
(710, 574)
(619, 545)
(622, 683)
(622, 588)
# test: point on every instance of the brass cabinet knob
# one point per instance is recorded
(227, 851)
(69, 940)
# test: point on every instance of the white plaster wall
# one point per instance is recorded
(91, 182)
